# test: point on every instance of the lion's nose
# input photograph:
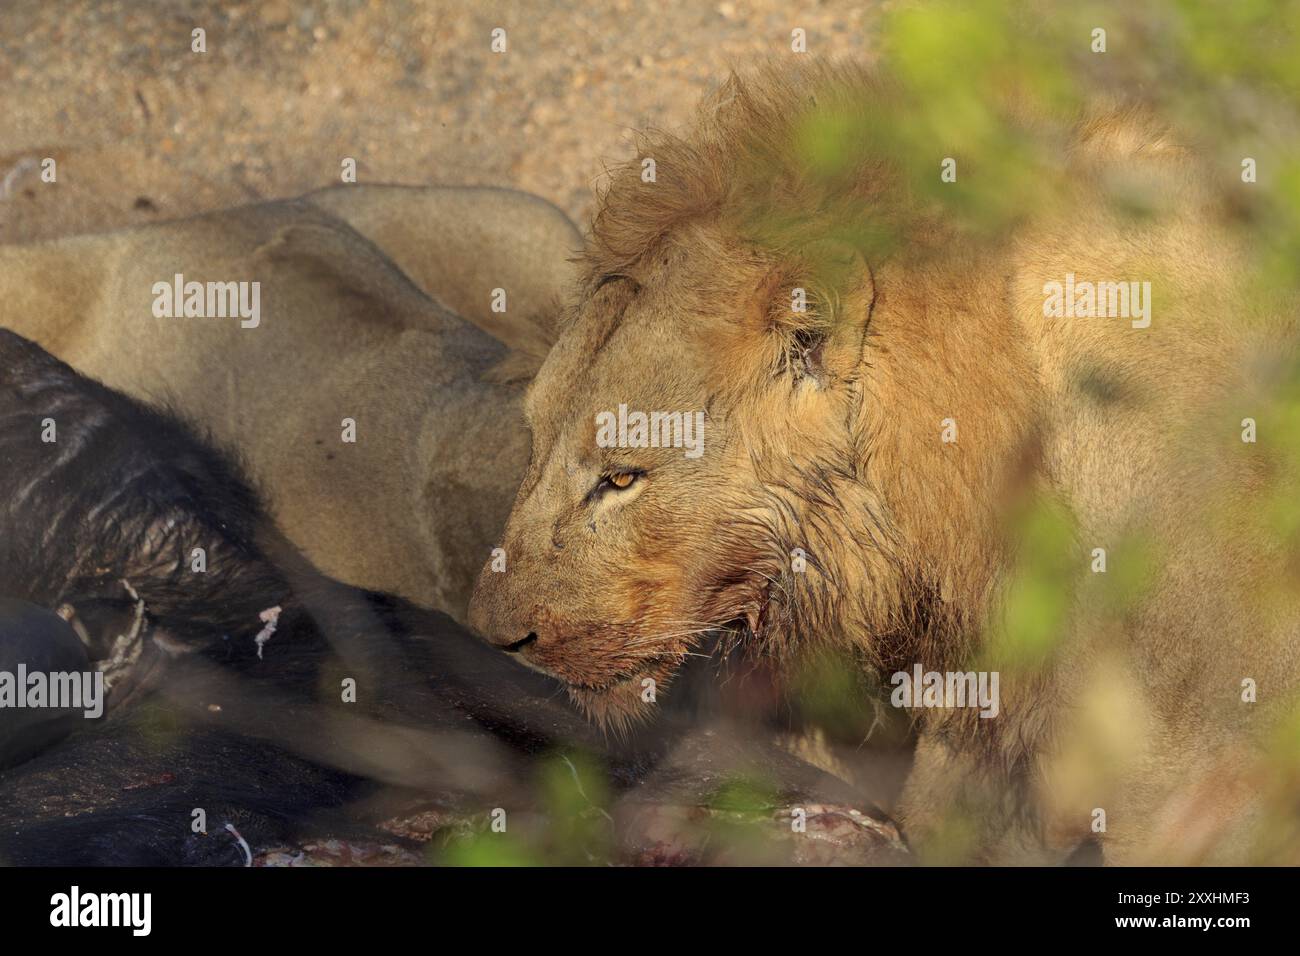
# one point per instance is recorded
(497, 626)
(498, 633)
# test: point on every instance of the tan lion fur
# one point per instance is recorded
(415, 504)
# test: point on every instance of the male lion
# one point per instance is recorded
(861, 460)
(352, 328)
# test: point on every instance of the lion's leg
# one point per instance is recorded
(955, 808)
(933, 809)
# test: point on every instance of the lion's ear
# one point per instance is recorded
(817, 320)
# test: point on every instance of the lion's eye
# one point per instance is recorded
(614, 481)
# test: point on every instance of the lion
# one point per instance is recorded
(382, 427)
(846, 478)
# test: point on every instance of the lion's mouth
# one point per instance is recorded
(719, 640)
(725, 636)
(610, 686)
(599, 685)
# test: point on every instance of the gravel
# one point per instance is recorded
(142, 129)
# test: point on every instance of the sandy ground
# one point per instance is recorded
(141, 128)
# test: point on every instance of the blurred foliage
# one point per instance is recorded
(1040, 590)
(566, 821)
(740, 822)
(998, 85)
(840, 696)
(570, 826)
(746, 797)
